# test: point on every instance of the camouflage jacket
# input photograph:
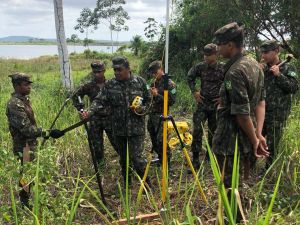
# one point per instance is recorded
(279, 90)
(119, 95)
(241, 91)
(211, 78)
(158, 101)
(88, 87)
(21, 121)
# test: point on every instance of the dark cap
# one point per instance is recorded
(18, 77)
(269, 45)
(120, 61)
(228, 33)
(154, 66)
(210, 49)
(97, 66)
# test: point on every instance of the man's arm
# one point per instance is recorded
(172, 93)
(19, 120)
(245, 122)
(81, 91)
(288, 81)
(260, 118)
(191, 80)
(240, 108)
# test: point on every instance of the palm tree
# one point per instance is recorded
(136, 44)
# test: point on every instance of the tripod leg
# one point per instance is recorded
(95, 165)
(188, 159)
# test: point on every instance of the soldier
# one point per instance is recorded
(22, 126)
(157, 91)
(242, 104)
(280, 83)
(210, 73)
(91, 86)
(128, 120)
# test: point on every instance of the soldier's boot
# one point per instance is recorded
(24, 199)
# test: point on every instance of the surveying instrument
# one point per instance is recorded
(164, 120)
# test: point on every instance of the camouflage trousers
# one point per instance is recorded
(273, 131)
(96, 128)
(226, 161)
(157, 138)
(202, 115)
(18, 148)
(135, 150)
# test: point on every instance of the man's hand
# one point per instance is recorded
(56, 133)
(260, 148)
(140, 109)
(154, 91)
(262, 142)
(198, 97)
(275, 70)
(83, 115)
(262, 66)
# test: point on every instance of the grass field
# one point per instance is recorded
(65, 190)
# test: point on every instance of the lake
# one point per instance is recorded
(33, 51)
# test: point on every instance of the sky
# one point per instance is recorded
(35, 18)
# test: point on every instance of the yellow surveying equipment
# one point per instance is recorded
(183, 129)
(137, 102)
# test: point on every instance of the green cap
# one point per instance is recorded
(210, 49)
(97, 66)
(269, 45)
(18, 77)
(154, 66)
(119, 62)
(228, 33)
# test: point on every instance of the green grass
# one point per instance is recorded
(65, 190)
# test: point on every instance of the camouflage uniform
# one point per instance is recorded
(156, 112)
(22, 123)
(241, 91)
(128, 127)
(22, 127)
(98, 124)
(211, 77)
(279, 90)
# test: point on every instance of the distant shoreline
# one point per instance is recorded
(69, 43)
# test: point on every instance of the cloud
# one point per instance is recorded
(36, 17)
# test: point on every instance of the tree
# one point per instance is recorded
(74, 39)
(87, 42)
(113, 12)
(85, 22)
(151, 28)
(136, 44)
(65, 66)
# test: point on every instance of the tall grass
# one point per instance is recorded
(65, 189)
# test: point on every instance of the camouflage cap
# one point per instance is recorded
(120, 61)
(18, 77)
(227, 33)
(154, 66)
(269, 45)
(210, 49)
(97, 66)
